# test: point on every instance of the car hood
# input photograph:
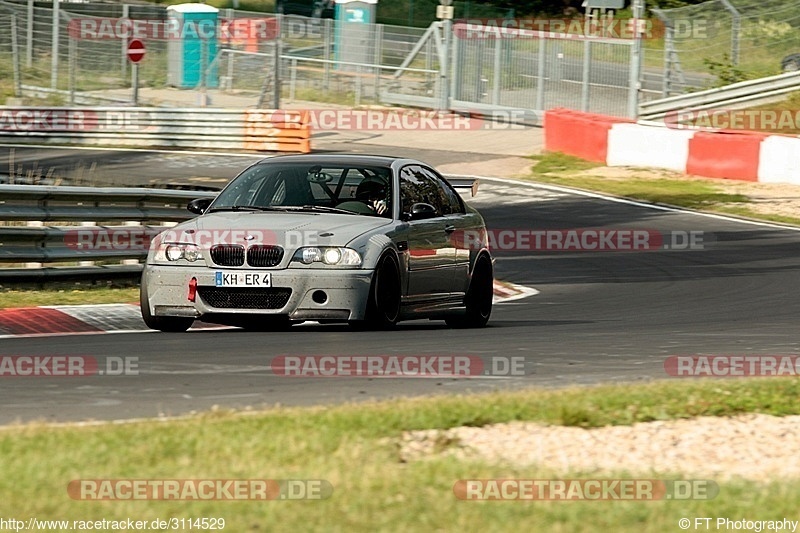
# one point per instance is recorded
(290, 230)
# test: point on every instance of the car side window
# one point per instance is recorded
(417, 186)
(450, 195)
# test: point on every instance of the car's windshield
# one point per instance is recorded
(362, 190)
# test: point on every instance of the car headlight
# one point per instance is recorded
(329, 255)
(175, 251)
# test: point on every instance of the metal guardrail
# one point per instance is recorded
(62, 244)
(39, 245)
(201, 128)
(746, 92)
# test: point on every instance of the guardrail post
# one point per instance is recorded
(35, 224)
(87, 225)
(131, 223)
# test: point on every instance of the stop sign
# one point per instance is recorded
(135, 50)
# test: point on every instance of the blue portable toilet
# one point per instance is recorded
(354, 32)
(191, 44)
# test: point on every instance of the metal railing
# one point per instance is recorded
(749, 93)
(206, 128)
(25, 249)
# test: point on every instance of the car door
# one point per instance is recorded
(457, 225)
(431, 256)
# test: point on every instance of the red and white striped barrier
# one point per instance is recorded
(741, 155)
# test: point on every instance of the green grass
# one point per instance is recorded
(100, 295)
(561, 169)
(355, 449)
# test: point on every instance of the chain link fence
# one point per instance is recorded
(307, 59)
(730, 40)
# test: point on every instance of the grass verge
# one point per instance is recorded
(680, 191)
(98, 295)
(354, 447)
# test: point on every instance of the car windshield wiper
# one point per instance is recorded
(251, 208)
(326, 209)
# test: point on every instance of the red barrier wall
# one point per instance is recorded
(725, 155)
(583, 135)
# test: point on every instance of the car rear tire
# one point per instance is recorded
(170, 324)
(383, 303)
(479, 297)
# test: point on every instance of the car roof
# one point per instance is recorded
(337, 159)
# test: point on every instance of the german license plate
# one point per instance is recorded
(243, 279)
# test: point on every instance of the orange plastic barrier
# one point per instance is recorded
(278, 131)
(725, 155)
(583, 135)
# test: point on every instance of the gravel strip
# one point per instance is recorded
(753, 446)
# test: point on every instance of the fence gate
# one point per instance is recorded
(520, 73)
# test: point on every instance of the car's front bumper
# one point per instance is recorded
(167, 289)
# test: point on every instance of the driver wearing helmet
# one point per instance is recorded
(373, 192)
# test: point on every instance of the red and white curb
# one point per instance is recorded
(127, 318)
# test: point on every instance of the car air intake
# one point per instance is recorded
(244, 297)
(230, 255)
(264, 255)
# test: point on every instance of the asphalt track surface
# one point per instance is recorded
(144, 168)
(611, 316)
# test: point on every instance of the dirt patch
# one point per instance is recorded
(754, 446)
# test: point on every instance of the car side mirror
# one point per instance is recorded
(421, 211)
(198, 206)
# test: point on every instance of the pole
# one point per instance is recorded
(15, 57)
(276, 86)
(73, 65)
(54, 46)
(29, 37)
(634, 83)
(498, 72)
(135, 83)
(444, 85)
(123, 64)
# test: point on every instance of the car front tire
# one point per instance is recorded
(479, 297)
(383, 303)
